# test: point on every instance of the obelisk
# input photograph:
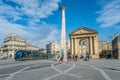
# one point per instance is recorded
(63, 35)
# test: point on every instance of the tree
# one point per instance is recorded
(103, 53)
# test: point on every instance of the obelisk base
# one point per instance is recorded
(65, 59)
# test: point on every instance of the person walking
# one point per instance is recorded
(70, 57)
(87, 57)
(76, 57)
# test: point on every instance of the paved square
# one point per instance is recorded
(52, 70)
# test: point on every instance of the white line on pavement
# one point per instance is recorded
(102, 72)
(4, 75)
(70, 68)
(13, 74)
(60, 72)
(56, 69)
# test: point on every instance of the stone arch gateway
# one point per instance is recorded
(84, 40)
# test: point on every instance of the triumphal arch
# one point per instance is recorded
(84, 41)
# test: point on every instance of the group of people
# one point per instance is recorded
(85, 57)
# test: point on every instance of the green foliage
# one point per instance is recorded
(68, 53)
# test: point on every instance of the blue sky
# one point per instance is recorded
(39, 21)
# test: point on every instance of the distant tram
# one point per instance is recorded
(21, 55)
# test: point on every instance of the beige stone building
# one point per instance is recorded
(84, 40)
(31, 47)
(103, 45)
(42, 50)
(68, 46)
(13, 42)
(1, 53)
(53, 48)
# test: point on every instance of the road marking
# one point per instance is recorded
(56, 69)
(13, 74)
(60, 72)
(70, 68)
(102, 72)
(4, 75)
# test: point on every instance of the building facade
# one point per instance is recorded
(116, 46)
(84, 40)
(68, 46)
(105, 49)
(1, 51)
(53, 48)
(13, 42)
(42, 50)
(31, 47)
(103, 45)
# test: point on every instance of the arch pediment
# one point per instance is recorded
(83, 30)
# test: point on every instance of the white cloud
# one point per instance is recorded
(30, 11)
(36, 35)
(109, 16)
(6, 28)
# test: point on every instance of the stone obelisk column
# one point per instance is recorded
(63, 35)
